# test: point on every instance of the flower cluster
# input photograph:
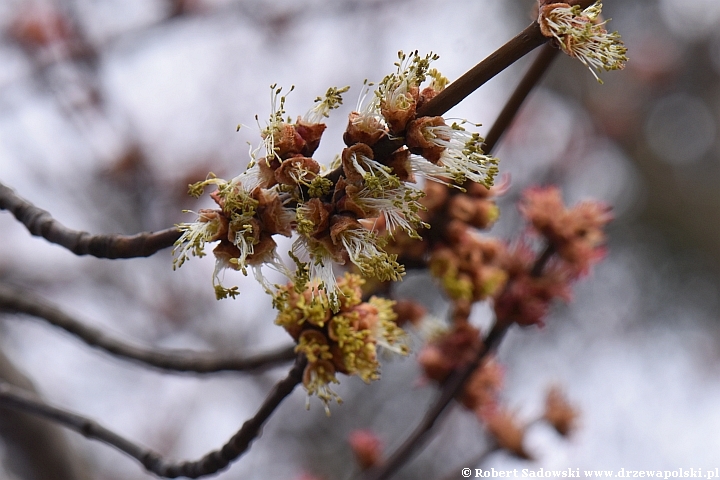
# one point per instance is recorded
(581, 35)
(574, 239)
(507, 431)
(454, 349)
(471, 267)
(520, 281)
(451, 250)
(465, 263)
(349, 213)
(345, 341)
(576, 234)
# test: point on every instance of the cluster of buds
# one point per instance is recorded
(452, 212)
(348, 214)
(453, 350)
(576, 234)
(39, 27)
(574, 239)
(520, 282)
(507, 431)
(466, 263)
(457, 347)
(346, 341)
(471, 267)
(581, 34)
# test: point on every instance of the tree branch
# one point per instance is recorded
(40, 223)
(213, 462)
(438, 410)
(20, 301)
(34, 448)
(519, 46)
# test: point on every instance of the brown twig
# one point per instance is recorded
(542, 260)
(437, 411)
(20, 301)
(40, 223)
(519, 46)
(213, 462)
(452, 387)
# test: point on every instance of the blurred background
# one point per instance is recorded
(108, 109)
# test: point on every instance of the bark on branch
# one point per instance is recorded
(19, 399)
(41, 223)
(20, 301)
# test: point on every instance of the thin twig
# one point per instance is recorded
(437, 411)
(21, 301)
(542, 260)
(40, 223)
(213, 462)
(451, 388)
(519, 46)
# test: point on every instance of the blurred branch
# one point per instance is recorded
(21, 301)
(450, 389)
(40, 223)
(33, 448)
(19, 399)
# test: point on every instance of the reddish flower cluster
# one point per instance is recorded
(574, 242)
(576, 234)
(465, 263)
(473, 268)
(37, 27)
(527, 296)
(521, 283)
(506, 430)
(455, 349)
